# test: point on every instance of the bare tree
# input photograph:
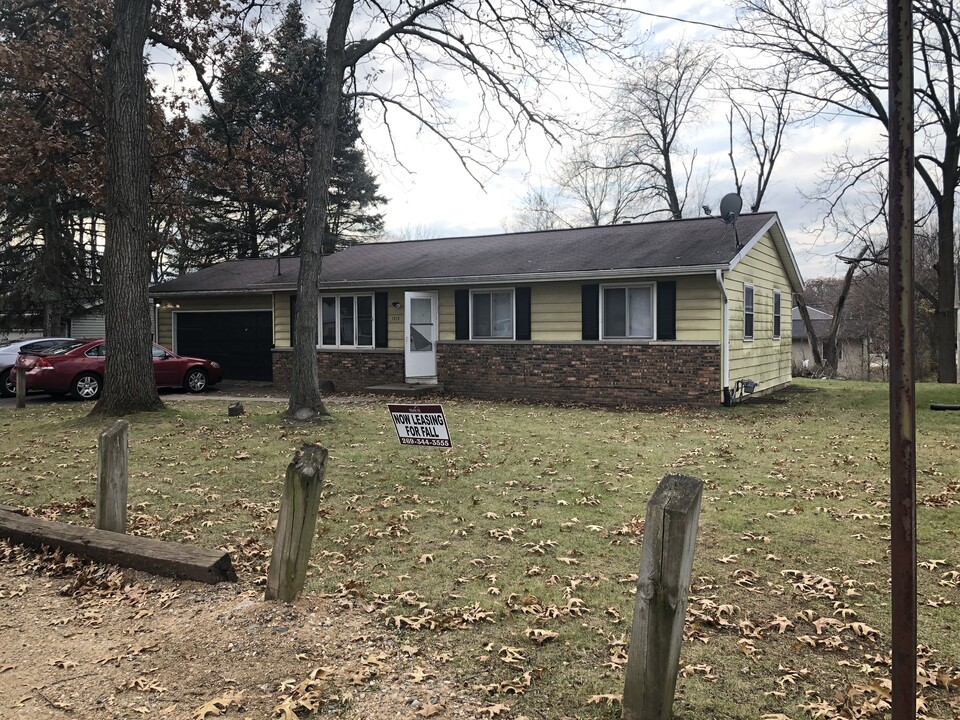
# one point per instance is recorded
(595, 184)
(601, 184)
(541, 208)
(840, 48)
(662, 97)
(507, 50)
(763, 121)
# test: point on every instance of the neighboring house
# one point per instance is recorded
(85, 323)
(853, 348)
(657, 312)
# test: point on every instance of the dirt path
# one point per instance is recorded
(88, 641)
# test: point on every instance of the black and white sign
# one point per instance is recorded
(420, 425)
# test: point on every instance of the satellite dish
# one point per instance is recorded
(730, 208)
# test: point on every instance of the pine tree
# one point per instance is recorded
(252, 162)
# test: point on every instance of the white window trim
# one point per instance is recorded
(653, 310)
(513, 313)
(373, 315)
(753, 312)
(777, 300)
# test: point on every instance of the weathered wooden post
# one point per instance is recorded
(296, 524)
(663, 586)
(21, 388)
(111, 512)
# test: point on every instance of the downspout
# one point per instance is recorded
(725, 342)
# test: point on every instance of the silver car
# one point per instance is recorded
(8, 356)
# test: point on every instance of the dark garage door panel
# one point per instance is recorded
(239, 341)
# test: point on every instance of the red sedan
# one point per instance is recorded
(77, 368)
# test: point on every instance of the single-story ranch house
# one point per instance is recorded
(657, 312)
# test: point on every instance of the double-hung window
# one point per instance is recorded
(628, 312)
(776, 314)
(491, 315)
(346, 321)
(748, 312)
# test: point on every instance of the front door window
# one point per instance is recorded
(421, 337)
(421, 325)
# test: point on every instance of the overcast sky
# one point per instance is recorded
(430, 195)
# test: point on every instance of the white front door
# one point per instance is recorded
(420, 337)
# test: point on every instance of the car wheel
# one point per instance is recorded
(196, 380)
(8, 388)
(87, 386)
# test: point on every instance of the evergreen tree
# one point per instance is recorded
(252, 162)
(50, 171)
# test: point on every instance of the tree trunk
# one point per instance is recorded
(945, 320)
(808, 326)
(305, 401)
(130, 385)
(830, 344)
(52, 263)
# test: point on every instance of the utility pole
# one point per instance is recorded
(903, 430)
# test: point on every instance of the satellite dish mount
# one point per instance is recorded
(730, 207)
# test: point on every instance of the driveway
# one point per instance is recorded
(227, 390)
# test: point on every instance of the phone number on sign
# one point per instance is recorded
(424, 441)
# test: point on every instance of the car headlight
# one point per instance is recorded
(215, 365)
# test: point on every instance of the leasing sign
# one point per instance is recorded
(420, 425)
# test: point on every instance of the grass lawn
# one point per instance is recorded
(533, 522)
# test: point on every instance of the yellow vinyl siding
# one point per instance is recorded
(281, 319)
(556, 309)
(763, 359)
(201, 304)
(699, 310)
(555, 312)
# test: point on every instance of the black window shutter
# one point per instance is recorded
(462, 310)
(667, 310)
(380, 313)
(590, 312)
(293, 318)
(522, 299)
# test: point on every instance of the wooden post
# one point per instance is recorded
(296, 524)
(663, 586)
(21, 388)
(111, 512)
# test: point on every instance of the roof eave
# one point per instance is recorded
(212, 293)
(617, 274)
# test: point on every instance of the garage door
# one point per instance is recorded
(239, 341)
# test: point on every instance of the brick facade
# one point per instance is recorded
(350, 371)
(595, 373)
(601, 374)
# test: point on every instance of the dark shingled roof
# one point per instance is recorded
(691, 245)
(820, 320)
(232, 276)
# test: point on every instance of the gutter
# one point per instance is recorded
(725, 342)
(530, 277)
(401, 282)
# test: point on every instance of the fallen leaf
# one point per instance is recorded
(492, 711)
(429, 710)
(540, 637)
